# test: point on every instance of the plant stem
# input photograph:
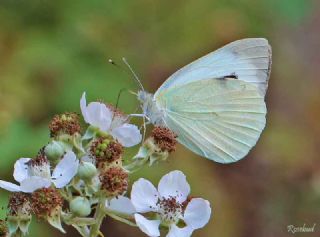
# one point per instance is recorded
(122, 219)
(99, 216)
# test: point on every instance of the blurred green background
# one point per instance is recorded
(52, 51)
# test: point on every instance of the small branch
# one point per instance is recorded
(123, 220)
(99, 216)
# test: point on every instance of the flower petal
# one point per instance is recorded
(197, 213)
(122, 205)
(127, 134)
(33, 183)
(174, 184)
(150, 228)
(65, 170)
(83, 107)
(97, 114)
(179, 232)
(21, 169)
(9, 186)
(144, 196)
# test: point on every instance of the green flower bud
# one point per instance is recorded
(80, 206)
(54, 150)
(87, 171)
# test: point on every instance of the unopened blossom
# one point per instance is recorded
(33, 174)
(170, 203)
(109, 120)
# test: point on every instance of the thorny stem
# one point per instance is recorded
(99, 215)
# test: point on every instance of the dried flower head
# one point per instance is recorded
(106, 151)
(114, 181)
(45, 201)
(164, 138)
(67, 123)
(3, 228)
(19, 204)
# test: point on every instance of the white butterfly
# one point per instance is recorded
(216, 104)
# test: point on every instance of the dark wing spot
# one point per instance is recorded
(231, 76)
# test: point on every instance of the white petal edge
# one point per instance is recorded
(127, 134)
(9, 186)
(174, 184)
(83, 107)
(197, 213)
(34, 183)
(21, 169)
(149, 227)
(179, 232)
(98, 115)
(66, 169)
(144, 196)
(121, 205)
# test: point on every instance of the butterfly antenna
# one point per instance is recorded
(136, 78)
(133, 73)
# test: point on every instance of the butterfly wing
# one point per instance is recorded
(220, 119)
(247, 59)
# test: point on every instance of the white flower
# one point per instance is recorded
(99, 115)
(35, 176)
(121, 205)
(169, 202)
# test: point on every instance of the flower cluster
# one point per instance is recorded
(83, 175)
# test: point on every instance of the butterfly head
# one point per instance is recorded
(150, 108)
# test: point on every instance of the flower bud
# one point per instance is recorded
(80, 206)
(86, 171)
(54, 150)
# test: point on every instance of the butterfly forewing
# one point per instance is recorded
(247, 60)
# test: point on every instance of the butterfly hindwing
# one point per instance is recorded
(220, 119)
